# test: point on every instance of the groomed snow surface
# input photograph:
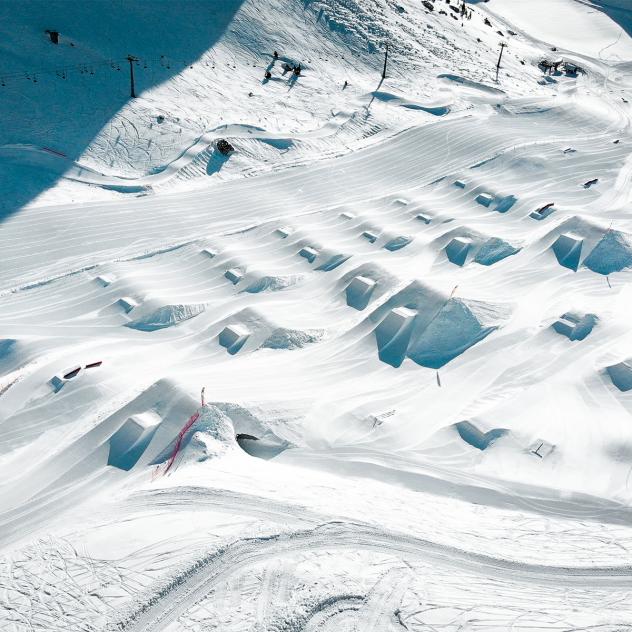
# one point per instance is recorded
(407, 301)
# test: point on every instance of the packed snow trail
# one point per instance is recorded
(185, 590)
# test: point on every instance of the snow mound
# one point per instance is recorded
(493, 251)
(282, 338)
(249, 330)
(431, 329)
(578, 242)
(465, 245)
(210, 436)
(613, 253)
(459, 325)
(274, 283)
(166, 316)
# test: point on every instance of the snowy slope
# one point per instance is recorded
(406, 299)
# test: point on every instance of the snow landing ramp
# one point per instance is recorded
(129, 442)
(431, 329)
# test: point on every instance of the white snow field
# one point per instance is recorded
(407, 300)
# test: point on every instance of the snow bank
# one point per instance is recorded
(166, 316)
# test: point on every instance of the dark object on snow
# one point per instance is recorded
(511, 32)
(160, 119)
(549, 66)
(54, 36)
(71, 374)
(94, 365)
(268, 74)
(545, 207)
(428, 5)
(543, 211)
(572, 69)
(616, 142)
(487, 22)
(297, 70)
(500, 33)
(224, 147)
(588, 184)
(442, 12)
(345, 85)
(275, 55)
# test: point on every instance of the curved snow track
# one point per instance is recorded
(166, 605)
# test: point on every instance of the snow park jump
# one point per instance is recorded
(394, 238)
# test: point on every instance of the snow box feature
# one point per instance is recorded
(485, 199)
(129, 442)
(359, 292)
(234, 275)
(127, 303)
(308, 253)
(575, 326)
(621, 374)
(233, 337)
(393, 334)
(397, 243)
(458, 249)
(568, 249)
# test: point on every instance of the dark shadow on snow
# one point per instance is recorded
(66, 115)
(216, 162)
(620, 11)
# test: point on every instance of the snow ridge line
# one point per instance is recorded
(145, 255)
(194, 583)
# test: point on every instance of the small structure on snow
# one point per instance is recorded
(458, 249)
(308, 253)
(233, 337)
(541, 448)
(127, 303)
(485, 199)
(575, 326)
(359, 292)
(234, 275)
(543, 211)
(224, 147)
(621, 374)
(568, 249)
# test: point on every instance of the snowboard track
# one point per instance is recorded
(194, 583)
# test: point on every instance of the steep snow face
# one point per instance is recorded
(371, 369)
(595, 28)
